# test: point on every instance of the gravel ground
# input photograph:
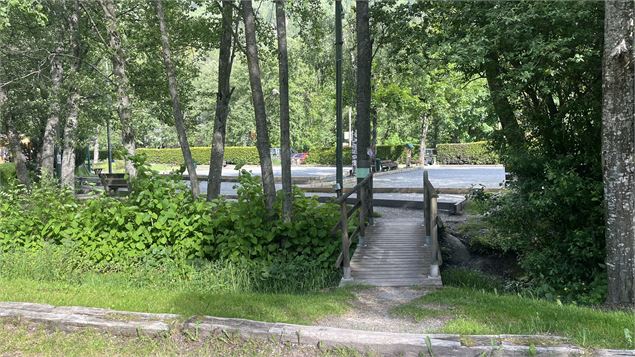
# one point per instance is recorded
(371, 312)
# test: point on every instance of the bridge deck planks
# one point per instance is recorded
(394, 253)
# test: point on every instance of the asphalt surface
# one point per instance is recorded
(440, 176)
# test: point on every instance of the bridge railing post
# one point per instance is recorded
(363, 211)
(430, 222)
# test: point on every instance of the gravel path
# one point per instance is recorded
(372, 307)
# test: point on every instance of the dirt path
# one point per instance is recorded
(372, 311)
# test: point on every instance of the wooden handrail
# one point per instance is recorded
(362, 188)
(356, 188)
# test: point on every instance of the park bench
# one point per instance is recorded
(387, 165)
(114, 184)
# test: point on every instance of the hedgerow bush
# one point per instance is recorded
(201, 155)
(326, 156)
(160, 222)
(477, 153)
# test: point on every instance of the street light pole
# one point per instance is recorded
(339, 174)
(109, 145)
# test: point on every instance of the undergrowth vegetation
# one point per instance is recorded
(161, 234)
(557, 233)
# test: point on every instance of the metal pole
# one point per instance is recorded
(339, 173)
(109, 145)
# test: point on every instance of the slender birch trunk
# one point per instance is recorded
(225, 61)
(121, 79)
(70, 129)
(47, 161)
(285, 140)
(425, 125)
(258, 100)
(176, 103)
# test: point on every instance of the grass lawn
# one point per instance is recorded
(24, 340)
(118, 166)
(471, 311)
(290, 308)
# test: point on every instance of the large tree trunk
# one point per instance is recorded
(258, 100)
(225, 61)
(514, 136)
(425, 125)
(364, 58)
(618, 151)
(176, 103)
(285, 140)
(70, 129)
(121, 80)
(50, 131)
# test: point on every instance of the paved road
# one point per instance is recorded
(441, 176)
(446, 176)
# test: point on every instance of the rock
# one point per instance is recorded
(453, 250)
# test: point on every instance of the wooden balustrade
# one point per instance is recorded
(364, 206)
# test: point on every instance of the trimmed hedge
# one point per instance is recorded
(326, 156)
(7, 173)
(477, 153)
(201, 155)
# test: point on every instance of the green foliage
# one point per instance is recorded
(467, 278)
(201, 155)
(477, 153)
(555, 224)
(160, 222)
(7, 174)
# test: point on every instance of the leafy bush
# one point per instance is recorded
(161, 221)
(477, 153)
(555, 223)
(7, 173)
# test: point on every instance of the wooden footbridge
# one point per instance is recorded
(395, 252)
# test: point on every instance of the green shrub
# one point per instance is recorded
(477, 153)
(7, 173)
(555, 223)
(160, 220)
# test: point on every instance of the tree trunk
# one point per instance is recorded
(225, 61)
(13, 137)
(15, 147)
(618, 151)
(514, 136)
(70, 129)
(425, 125)
(176, 103)
(121, 80)
(258, 100)
(364, 58)
(96, 147)
(50, 131)
(285, 140)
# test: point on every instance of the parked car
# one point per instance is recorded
(299, 158)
